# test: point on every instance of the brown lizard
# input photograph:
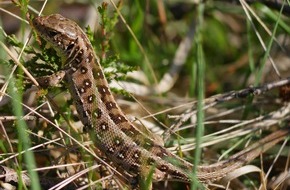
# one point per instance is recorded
(125, 145)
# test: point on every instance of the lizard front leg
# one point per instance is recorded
(51, 80)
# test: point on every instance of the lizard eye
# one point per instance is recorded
(52, 33)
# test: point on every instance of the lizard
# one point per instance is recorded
(124, 144)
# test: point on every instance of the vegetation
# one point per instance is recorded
(197, 64)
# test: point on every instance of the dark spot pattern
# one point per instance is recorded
(111, 150)
(91, 98)
(161, 153)
(83, 70)
(177, 175)
(117, 119)
(103, 90)
(134, 168)
(87, 83)
(82, 90)
(104, 126)
(98, 113)
(130, 132)
(97, 73)
(163, 168)
(110, 105)
(122, 154)
(136, 156)
(90, 57)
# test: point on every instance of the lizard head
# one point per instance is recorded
(59, 32)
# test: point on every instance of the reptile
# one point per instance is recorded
(124, 144)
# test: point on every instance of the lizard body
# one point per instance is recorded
(113, 133)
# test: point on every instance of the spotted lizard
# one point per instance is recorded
(126, 146)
